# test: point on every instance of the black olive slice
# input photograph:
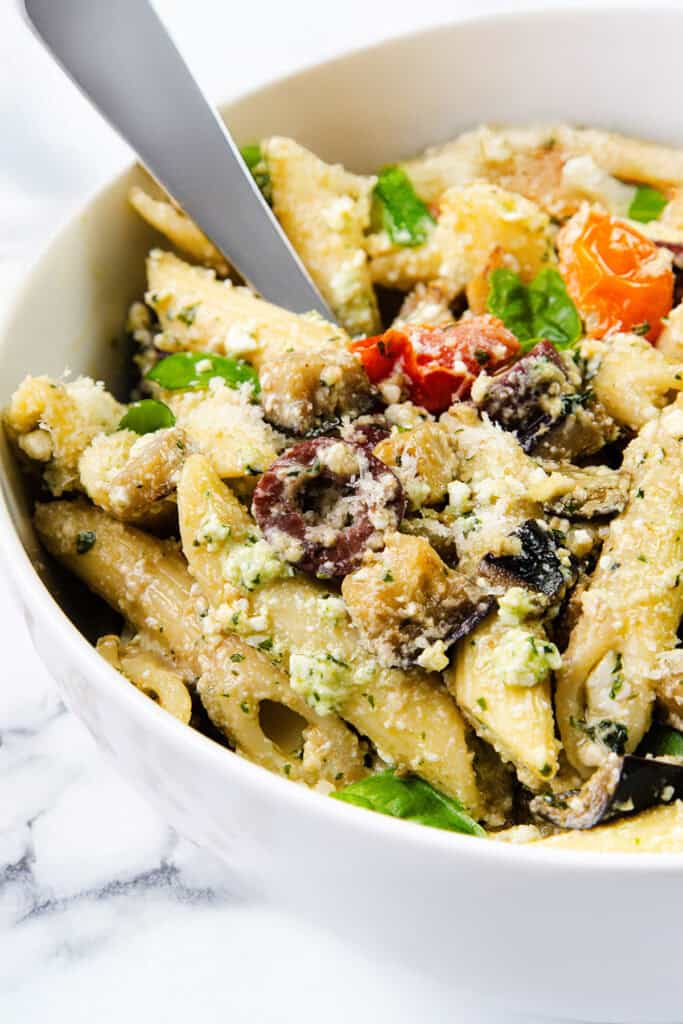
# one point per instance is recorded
(326, 500)
(531, 396)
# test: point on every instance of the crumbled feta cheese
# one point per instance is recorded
(330, 376)
(211, 533)
(338, 214)
(249, 565)
(341, 459)
(332, 608)
(523, 659)
(323, 680)
(406, 415)
(518, 604)
(434, 657)
(459, 495)
(583, 177)
(240, 340)
(418, 491)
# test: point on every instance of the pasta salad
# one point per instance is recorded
(427, 559)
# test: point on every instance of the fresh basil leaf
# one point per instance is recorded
(403, 214)
(509, 300)
(647, 204)
(553, 314)
(412, 799)
(662, 741)
(542, 309)
(146, 416)
(255, 161)
(194, 370)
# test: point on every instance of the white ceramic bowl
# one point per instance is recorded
(572, 935)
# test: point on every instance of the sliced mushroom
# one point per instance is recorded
(532, 396)
(621, 785)
(594, 492)
(533, 563)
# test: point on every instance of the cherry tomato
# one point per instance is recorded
(618, 279)
(439, 364)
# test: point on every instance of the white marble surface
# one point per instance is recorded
(105, 913)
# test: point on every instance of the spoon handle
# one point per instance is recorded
(120, 55)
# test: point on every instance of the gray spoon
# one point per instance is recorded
(121, 57)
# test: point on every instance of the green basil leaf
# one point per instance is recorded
(542, 309)
(146, 416)
(186, 370)
(647, 204)
(663, 741)
(255, 161)
(403, 214)
(508, 299)
(411, 799)
(553, 314)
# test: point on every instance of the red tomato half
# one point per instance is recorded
(440, 363)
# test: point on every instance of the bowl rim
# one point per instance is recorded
(34, 594)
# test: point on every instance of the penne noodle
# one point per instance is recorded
(147, 581)
(408, 715)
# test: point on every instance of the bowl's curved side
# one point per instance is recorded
(477, 914)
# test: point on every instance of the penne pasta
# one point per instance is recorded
(325, 211)
(147, 581)
(631, 609)
(305, 370)
(408, 715)
(181, 232)
(517, 720)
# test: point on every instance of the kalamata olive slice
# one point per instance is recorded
(367, 431)
(531, 396)
(326, 500)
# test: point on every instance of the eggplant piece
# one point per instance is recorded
(536, 567)
(622, 785)
(428, 524)
(587, 428)
(532, 396)
(598, 492)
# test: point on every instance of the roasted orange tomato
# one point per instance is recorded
(438, 364)
(618, 279)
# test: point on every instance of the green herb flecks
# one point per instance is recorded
(412, 799)
(146, 416)
(400, 210)
(195, 370)
(84, 541)
(617, 677)
(542, 309)
(647, 204)
(613, 735)
(256, 162)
